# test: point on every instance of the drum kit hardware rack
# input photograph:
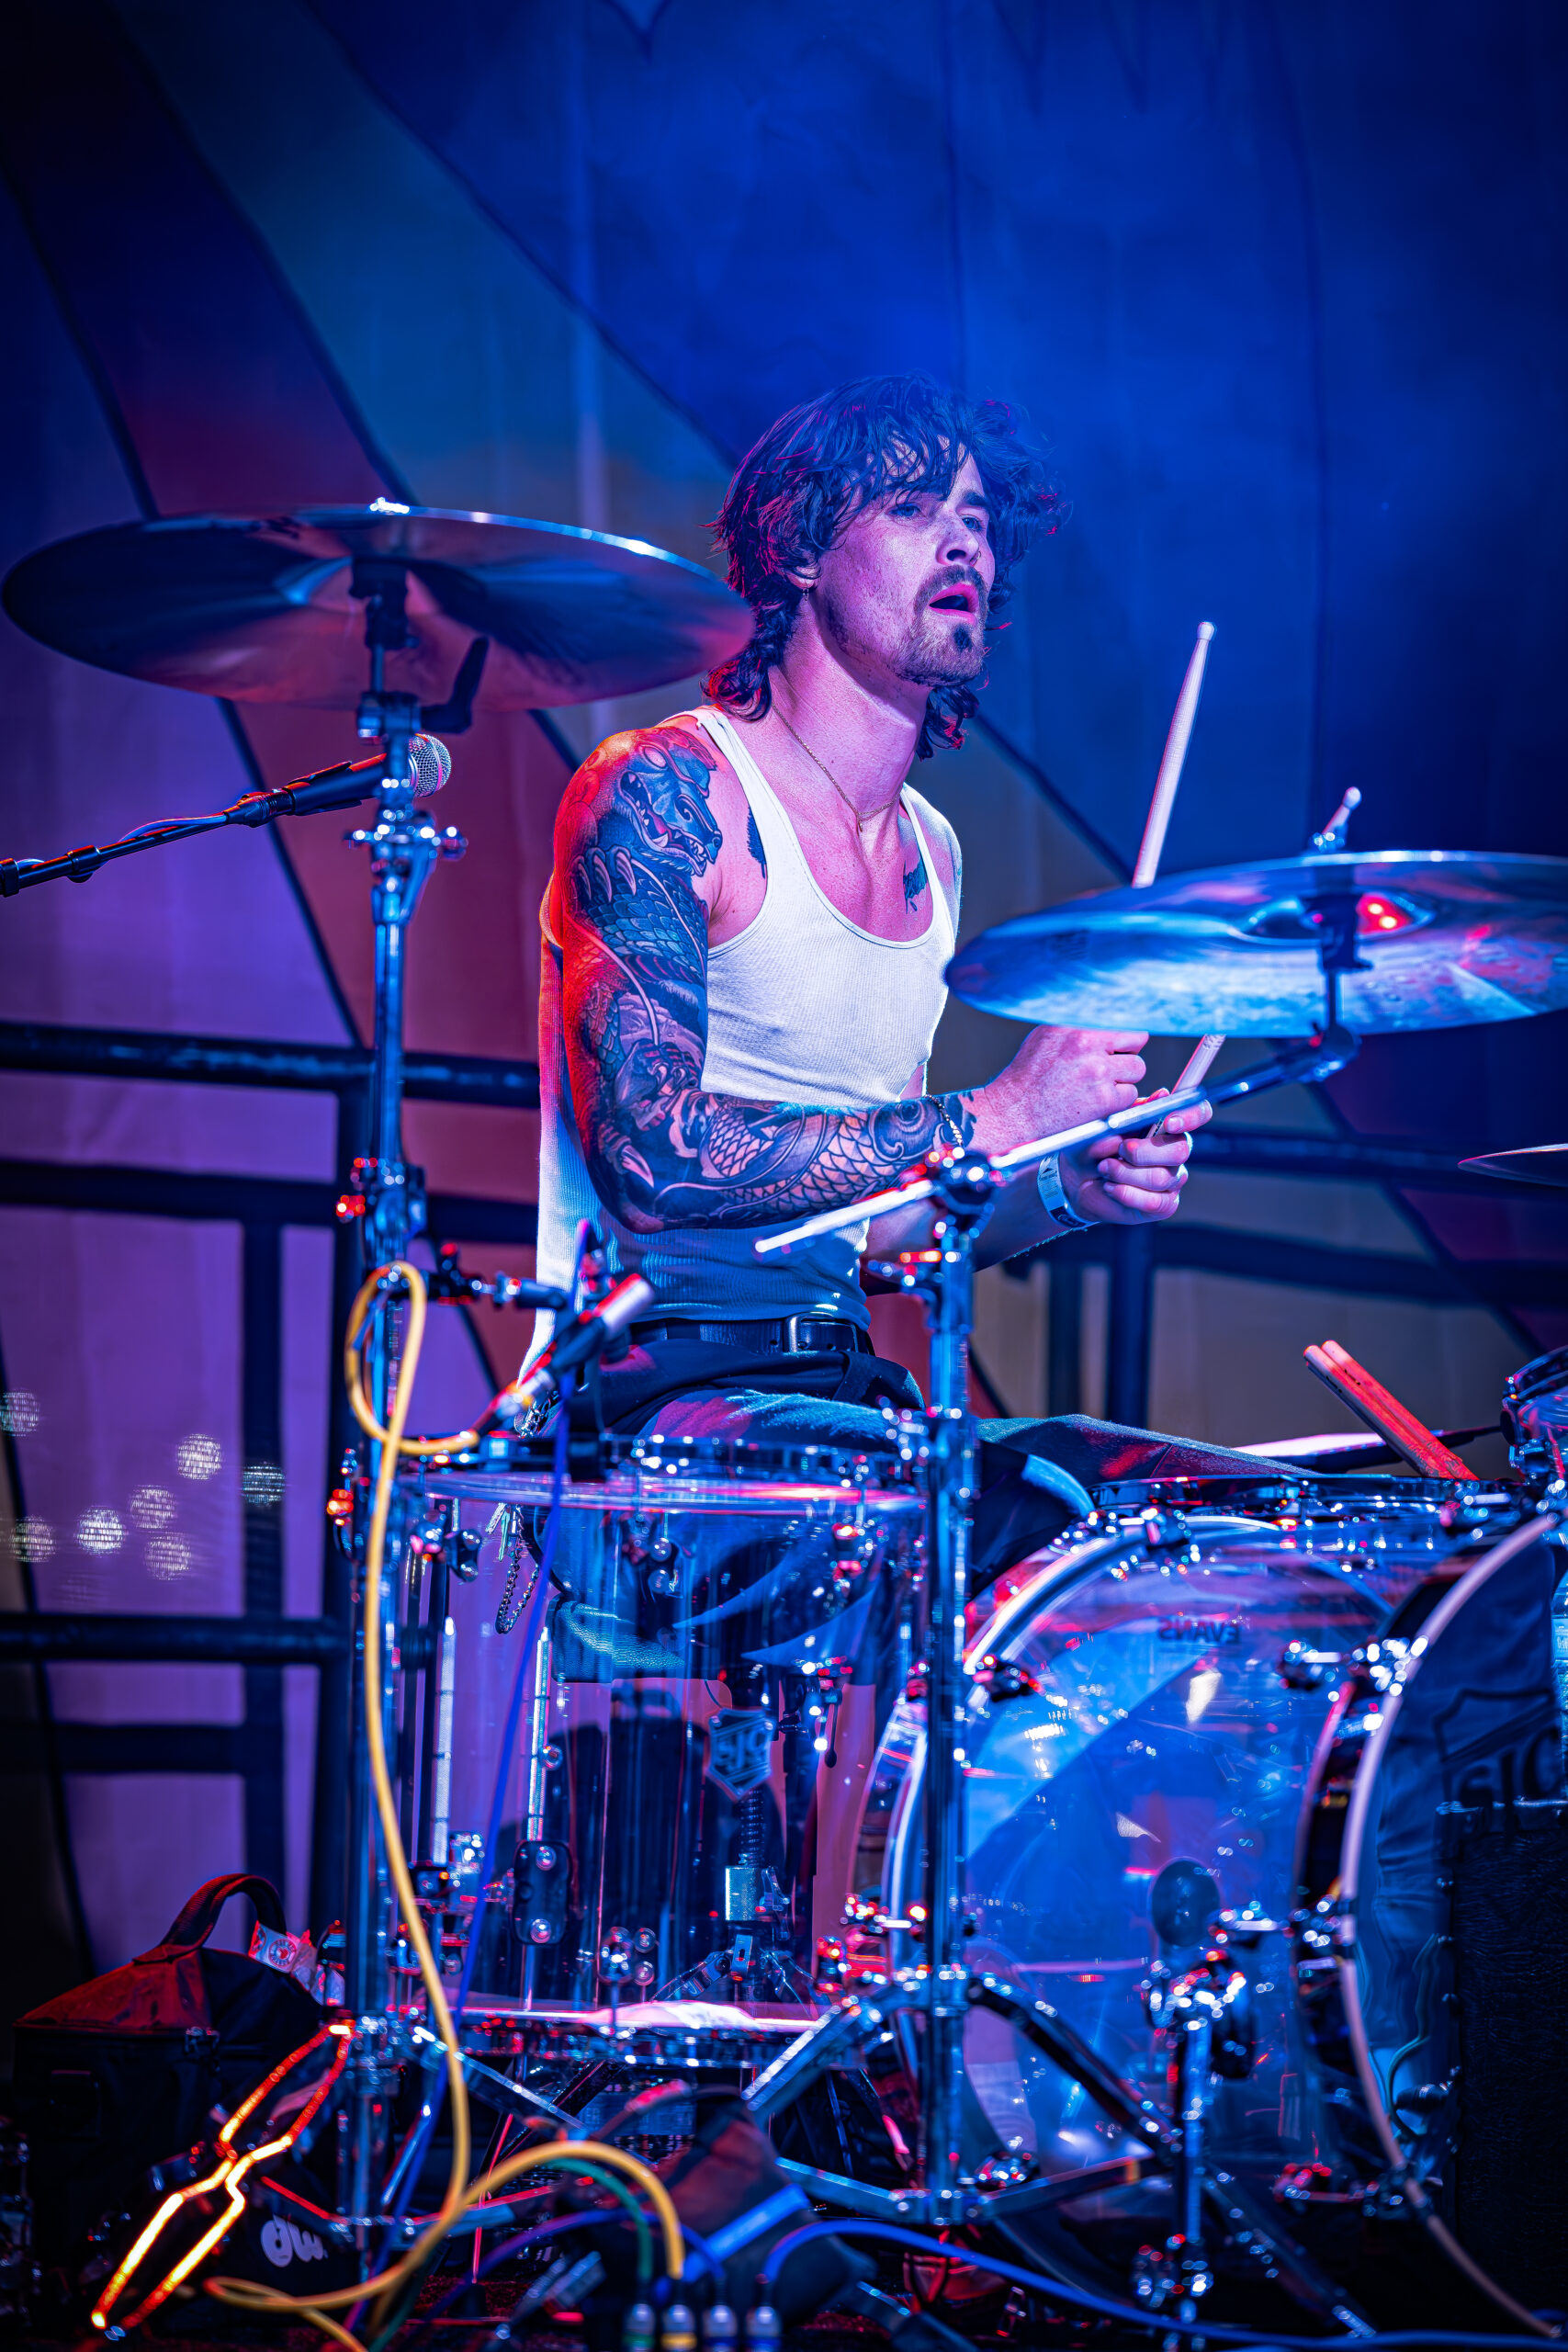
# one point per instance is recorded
(1300, 1651)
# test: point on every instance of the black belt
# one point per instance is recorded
(787, 1335)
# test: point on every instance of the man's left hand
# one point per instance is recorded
(1128, 1180)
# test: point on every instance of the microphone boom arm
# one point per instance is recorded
(343, 786)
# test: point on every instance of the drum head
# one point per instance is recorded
(1451, 1902)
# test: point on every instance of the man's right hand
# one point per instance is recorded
(1056, 1079)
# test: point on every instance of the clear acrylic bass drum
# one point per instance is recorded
(1156, 1688)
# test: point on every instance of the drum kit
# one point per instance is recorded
(1182, 1914)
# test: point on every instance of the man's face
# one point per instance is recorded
(905, 591)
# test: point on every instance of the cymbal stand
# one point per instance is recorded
(941, 1990)
(388, 1199)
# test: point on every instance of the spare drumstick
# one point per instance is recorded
(1375, 1405)
(1153, 845)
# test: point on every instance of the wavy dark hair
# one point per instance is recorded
(814, 470)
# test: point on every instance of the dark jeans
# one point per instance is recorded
(691, 1388)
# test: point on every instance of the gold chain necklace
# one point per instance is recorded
(861, 822)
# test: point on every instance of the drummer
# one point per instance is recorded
(745, 937)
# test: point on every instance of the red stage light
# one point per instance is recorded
(1378, 914)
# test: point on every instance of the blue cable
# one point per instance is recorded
(1161, 2323)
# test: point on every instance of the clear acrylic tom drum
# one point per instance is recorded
(726, 1629)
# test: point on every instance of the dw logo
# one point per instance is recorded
(281, 2242)
(741, 1746)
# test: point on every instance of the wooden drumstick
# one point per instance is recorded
(1152, 848)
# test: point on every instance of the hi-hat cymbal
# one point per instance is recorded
(1546, 1163)
(260, 610)
(1449, 937)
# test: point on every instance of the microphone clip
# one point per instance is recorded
(449, 1283)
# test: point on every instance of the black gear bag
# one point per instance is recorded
(120, 2074)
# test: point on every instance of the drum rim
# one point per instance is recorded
(1522, 1387)
(1334, 1489)
(704, 1473)
(1092, 1546)
(632, 1487)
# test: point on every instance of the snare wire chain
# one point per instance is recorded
(461, 2193)
(1102, 2307)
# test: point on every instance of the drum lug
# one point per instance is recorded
(1002, 1678)
(1318, 2184)
(1387, 2197)
(1302, 1668)
(1326, 1931)
(1176, 2273)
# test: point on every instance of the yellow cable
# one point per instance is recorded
(461, 1441)
(240, 2291)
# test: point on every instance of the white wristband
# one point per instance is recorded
(1053, 1197)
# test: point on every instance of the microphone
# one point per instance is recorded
(574, 1344)
(342, 786)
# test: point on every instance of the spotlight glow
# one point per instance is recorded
(151, 1507)
(169, 1556)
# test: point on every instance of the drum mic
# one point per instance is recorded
(576, 1342)
(430, 765)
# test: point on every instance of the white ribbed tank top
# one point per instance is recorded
(804, 1006)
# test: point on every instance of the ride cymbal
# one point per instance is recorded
(1444, 937)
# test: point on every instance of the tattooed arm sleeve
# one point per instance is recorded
(637, 836)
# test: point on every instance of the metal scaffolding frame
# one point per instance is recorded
(262, 1641)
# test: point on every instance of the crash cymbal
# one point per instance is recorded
(262, 610)
(1546, 1163)
(1449, 937)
